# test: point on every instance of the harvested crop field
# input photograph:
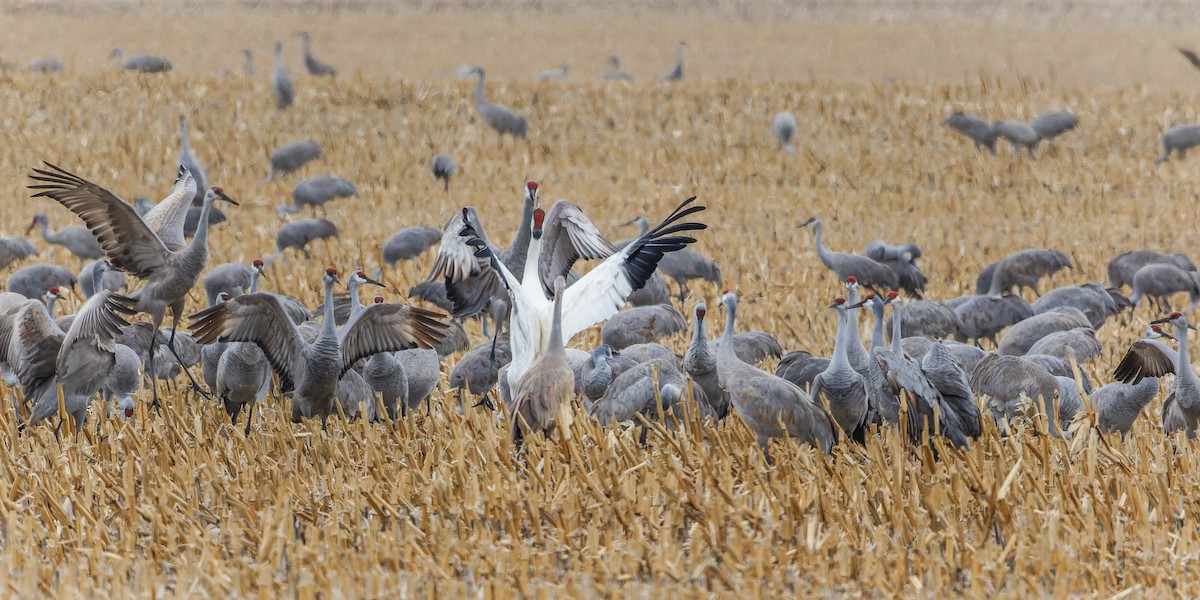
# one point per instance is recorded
(178, 502)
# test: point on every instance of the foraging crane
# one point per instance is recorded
(1020, 134)
(443, 167)
(189, 162)
(1124, 266)
(289, 157)
(124, 380)
(1181, 410)
(929, 319)
(867, 272)
(249, 61)
(1079, 344)
(614, 71)
(314, 66)
(1160, 280)
(1119, 403)
(1010, 381)
(642, 324)
(499, 118)
(409, 243)
(913, 385)
(765, 401)
(640, 389)
(76, 238)
(311, 370)
(477, 371)
(700, 363)
(979, 131)
(1053, 124)
(142, 63)
(47, 64)
(843, 388)
(234, 279)
(1092, 299)
(1024, 269)
(676, 72)
(784, 128)
(386, 376)
(299, 234)
(597, 295)
(1178, 139)
(1023, 335)
(281, 80)
(548, 384)
(902, 260)
(33, 281)
(113, 281)
(131, 246)
(316, 191)
(14, 249)
(982, 317)
(558, 74)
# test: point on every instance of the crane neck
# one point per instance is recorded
(50, 300)
(183, 136)
(97, 278)
(520, 245)
(822, 252)
(531, 275)
(730, 317)
(699, 333)
(200, 239)
(328, 327)
(356, 305)
(479, 99)
(877, 332)
(896, 334)
(841, 342)
(555, 346)
(278, 56)
(254, 281)
(46, 234)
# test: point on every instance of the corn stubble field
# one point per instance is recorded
(179, 503)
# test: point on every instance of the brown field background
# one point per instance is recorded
(180, 504)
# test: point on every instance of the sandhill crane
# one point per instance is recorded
(316, 191)
(233, 278)
(189, 162)
(34, 280)
(1024, 269)
(1053, 124)
(642, 324)
(1125, 265)
(654, 292)
(386, 375)
(843, 388)
(1009, 381)
(314, 66)
(1160, 280)
(902, 260)
(1119, 403)
(132, 247)
(700, 362)
(1079, 343)
(866, 271)
(1190, 56)
(930, 319)
(243, 374)
(966, 355)
(249, 61)
(1181, 410)
(1092, 299)
(982, 317)
(918, 389)
(113, 281)
(168, 219)
(191, 220)
(14, 249)
(443, 167)
(753, 347)
(640, 389)
(1019, 338)
(499, 118)
(978, 130)
(676, 72)
(312, 370)
(142, 63)
(614, 71)
(594, 297)
(477, 370)
(289, 157)
(1020, 134)
(784, 128)
(281, 80)
(124, 380)
(299, 234)
(556, 74)
(1178, 139)
(765, 401)
(44, 65)
(76, 238)
(409, 243)
(594, 376)
(210, 355)
(548, 384)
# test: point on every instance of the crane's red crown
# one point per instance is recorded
(223, 296)
(533, 185)
(217, 190)
(892, 295)
(539, 217)
(378, 299)
(851, 279)
(1176, 315)
(361, 275)
(701, 311)
(332, 272)
(839, 300)
(54, 290)
(810, 221)
(869, 297)
(1156, 329)
(258, 262)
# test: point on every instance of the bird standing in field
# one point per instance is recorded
(676, 72)
(614, 71)
(76, 238)
(314, 66)
(784, 127)
(289, 157)
(14, 249)
(867, 272)
(1178, 139)
(542, 391)
(443, 166)
(315, 192)
(281, 80)
(1181, 410)
(499, 118)
(979, 131)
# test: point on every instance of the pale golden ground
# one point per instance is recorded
(180, 504)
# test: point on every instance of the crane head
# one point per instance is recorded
(260, 266)
(811, 221)
(892, 296)
(1157, 332)
(331, 275)
(539, 218)
(378, 299)
(838, 302)
(38, 219)
(701, 311)
(218, 193)
(54, 292)
(851, 280)
(223, 297)
(531, 192)
(362, 278)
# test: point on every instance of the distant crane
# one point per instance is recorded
(77, 239)
(409, 243)
(784, 127)
(299, 234)
(499, 118)
(281, 80)
(979, 131)
(316, 191)
(1178, 139)
(614, 71)
(33, 281)
(1125, 265)
(676, 72)
(142, 63)
(314, 66)
(558, 74)
(289, 157)
(1020, 134)
(1024, 268)
(868, 273)
(443, 167)
(14, 249)
(249, 61)
(1053, 124)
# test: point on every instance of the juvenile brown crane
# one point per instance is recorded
(549, 384)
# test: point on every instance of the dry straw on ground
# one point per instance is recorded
(178, 503)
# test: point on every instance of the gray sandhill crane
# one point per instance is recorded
(1022, 336)
(76, 238)
(1178, 139)
(966, 355)
(499, 118)
(233, 278)
(142, 63)
(843, 388)
(1020, 134)
(243, 375)
(594, 376)
(867, 272)
(929, 319)
(79, 360)
(802, 367)
(1181, 409)
(765, 402)
(311, 370)
(642, 324)
(314, 66)
(14, 249)
(210, 354)
(700, 363)
(113, 281)
(47, 64)
(191, 220)
(1011, 381)
(784, 128)
(124, 380)
(1053, 124)
(291, 156)
(902, 260)
(556, 74)
(297, 235)
(33, 281)
(983, 317)
(597, 295)
(169, 218)
(188, 160)
(1119, 403)
(614, 72)
(1125, 265)
(1023, 269)
(676, 71)
(478, 369)
(1160, 280)
(131, 246)
(639, 391)
(977, 130)
(654, 292)
(409, 243)
(1058, 367)
(316, 191)
(934, 388)
(1079, 343)
(753, 347)
(547, 385)
(443, 167)
(1092, 299)
(420, 367)
(386, 376)
(249, 61)
(281, 80)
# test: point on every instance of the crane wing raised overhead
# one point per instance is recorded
(568, 236)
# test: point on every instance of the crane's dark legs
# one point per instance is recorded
(486, 401)
(171, 346)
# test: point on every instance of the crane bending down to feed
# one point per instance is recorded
(595, 297)
(1178, 139)
(311, 371)
(131, 246)
(499, 118)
